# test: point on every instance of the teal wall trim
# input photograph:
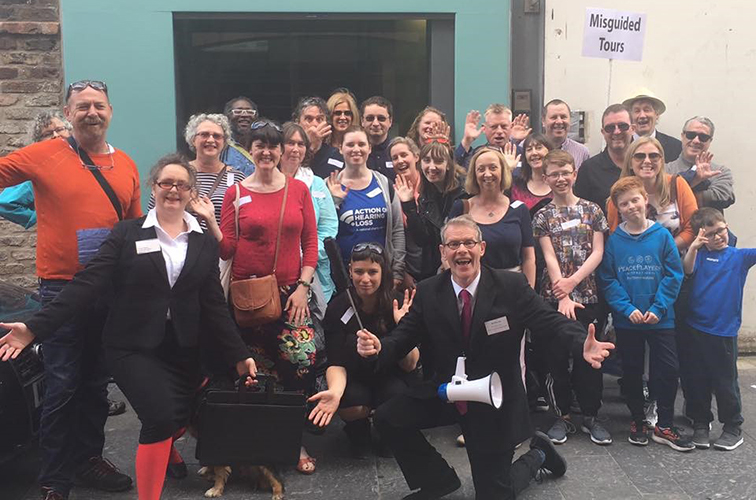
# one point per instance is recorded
(129, 45)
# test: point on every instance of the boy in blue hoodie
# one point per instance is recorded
(718, 273)
(640, 275)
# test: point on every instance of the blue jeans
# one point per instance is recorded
(75, 405)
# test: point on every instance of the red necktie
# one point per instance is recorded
(466, 318)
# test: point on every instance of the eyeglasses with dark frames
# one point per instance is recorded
(690, 135)
(721, 231)
(168, 185)
(454, 245)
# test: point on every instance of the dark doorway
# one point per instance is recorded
(275, 60)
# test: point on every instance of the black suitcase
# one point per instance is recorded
(255, 426)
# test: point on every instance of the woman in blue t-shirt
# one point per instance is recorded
(506, 226)
(365, 203)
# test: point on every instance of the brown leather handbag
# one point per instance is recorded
(257, 301)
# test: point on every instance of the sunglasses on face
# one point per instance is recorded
(342, 113)
(264, 123)
(361, 247)
(454, 245)
(380, 118)
(610, 127)
(206, 135)
(244, 112)
(654, 157)
(82, 84)
(701, 136)
(167, 185)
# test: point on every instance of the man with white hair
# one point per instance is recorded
(645, 110)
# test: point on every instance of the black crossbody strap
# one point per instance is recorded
(101, 180)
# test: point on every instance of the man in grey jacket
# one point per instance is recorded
(711, 183)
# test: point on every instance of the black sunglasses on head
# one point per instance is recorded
(701, 136)
(373, 247)
(82, 84)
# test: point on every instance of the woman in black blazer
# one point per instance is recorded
(161, 275)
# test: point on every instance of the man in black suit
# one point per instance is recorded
(479, 313)
(645, 110)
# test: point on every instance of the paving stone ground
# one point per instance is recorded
(617, 472)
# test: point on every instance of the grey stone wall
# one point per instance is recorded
(31, 81)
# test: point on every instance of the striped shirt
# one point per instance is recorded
(578, 151)
(205, 181)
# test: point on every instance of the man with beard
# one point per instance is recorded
(711, 183)
(555, 119)
(598, 173)
(82, 187)
(241, 113)
(498, 128)
(311, 114)
(377, 115)
(645, 110)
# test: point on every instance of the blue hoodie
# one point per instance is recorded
(642, 272)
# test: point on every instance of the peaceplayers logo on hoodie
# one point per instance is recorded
(640, 267)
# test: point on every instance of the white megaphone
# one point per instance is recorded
(484, 390)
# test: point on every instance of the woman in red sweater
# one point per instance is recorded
(284, 348)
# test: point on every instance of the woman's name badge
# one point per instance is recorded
(336, 163)
(389, 164)
(375, 192)
(497, 325)
(147, 246)
(347, 315)
(244, 200)
(230, 179)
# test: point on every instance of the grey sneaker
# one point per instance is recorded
(598, 433)
(701, 436)
(728, 441)
(559, 430)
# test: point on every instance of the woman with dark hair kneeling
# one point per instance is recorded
(162, 273)
(354, 387)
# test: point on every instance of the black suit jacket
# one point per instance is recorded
(672, 147)
(142, 295)
(433, 322)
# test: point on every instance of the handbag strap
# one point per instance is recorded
(280, 219)
(217, 181)
(280, 224)
(101, 180)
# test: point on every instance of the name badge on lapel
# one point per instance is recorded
(497, 325)
(147, 246)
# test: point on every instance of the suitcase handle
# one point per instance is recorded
(264, 380)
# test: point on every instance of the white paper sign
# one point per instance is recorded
(614, 34)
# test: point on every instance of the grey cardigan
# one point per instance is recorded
(395, 246)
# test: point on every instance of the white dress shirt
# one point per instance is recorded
(472, 288)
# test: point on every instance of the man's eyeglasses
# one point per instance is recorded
(371, 118)
(654, 157)
(373, 247)
(82, 84)
(559, 175)
(610, 127)
(454, 245)
(264, 123)
(244, 112)
(206, 135)
(96, 167)
(180, 186)
(717, 232)
(338, 112)
(701, 136)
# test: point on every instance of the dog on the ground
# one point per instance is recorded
(262, 477)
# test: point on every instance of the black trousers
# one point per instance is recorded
(160, 385)
(631, 345)
(372, 391)
(714, 370)
(587, 382)
(400, 421)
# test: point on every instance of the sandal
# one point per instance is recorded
(306, 465)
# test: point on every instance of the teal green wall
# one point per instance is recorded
(129, 45)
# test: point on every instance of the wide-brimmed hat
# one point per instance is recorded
(647, 95)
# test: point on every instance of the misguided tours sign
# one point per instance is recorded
(614, 34)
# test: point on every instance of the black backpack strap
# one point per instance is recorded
(101, 180)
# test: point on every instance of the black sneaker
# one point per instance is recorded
(115, 407)
(51, 494)
(728, 441)
(638, 433)
(701, 436)
(539, 405)
(672, 437)
(441, 489)
(554, 462)
(100, 473)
